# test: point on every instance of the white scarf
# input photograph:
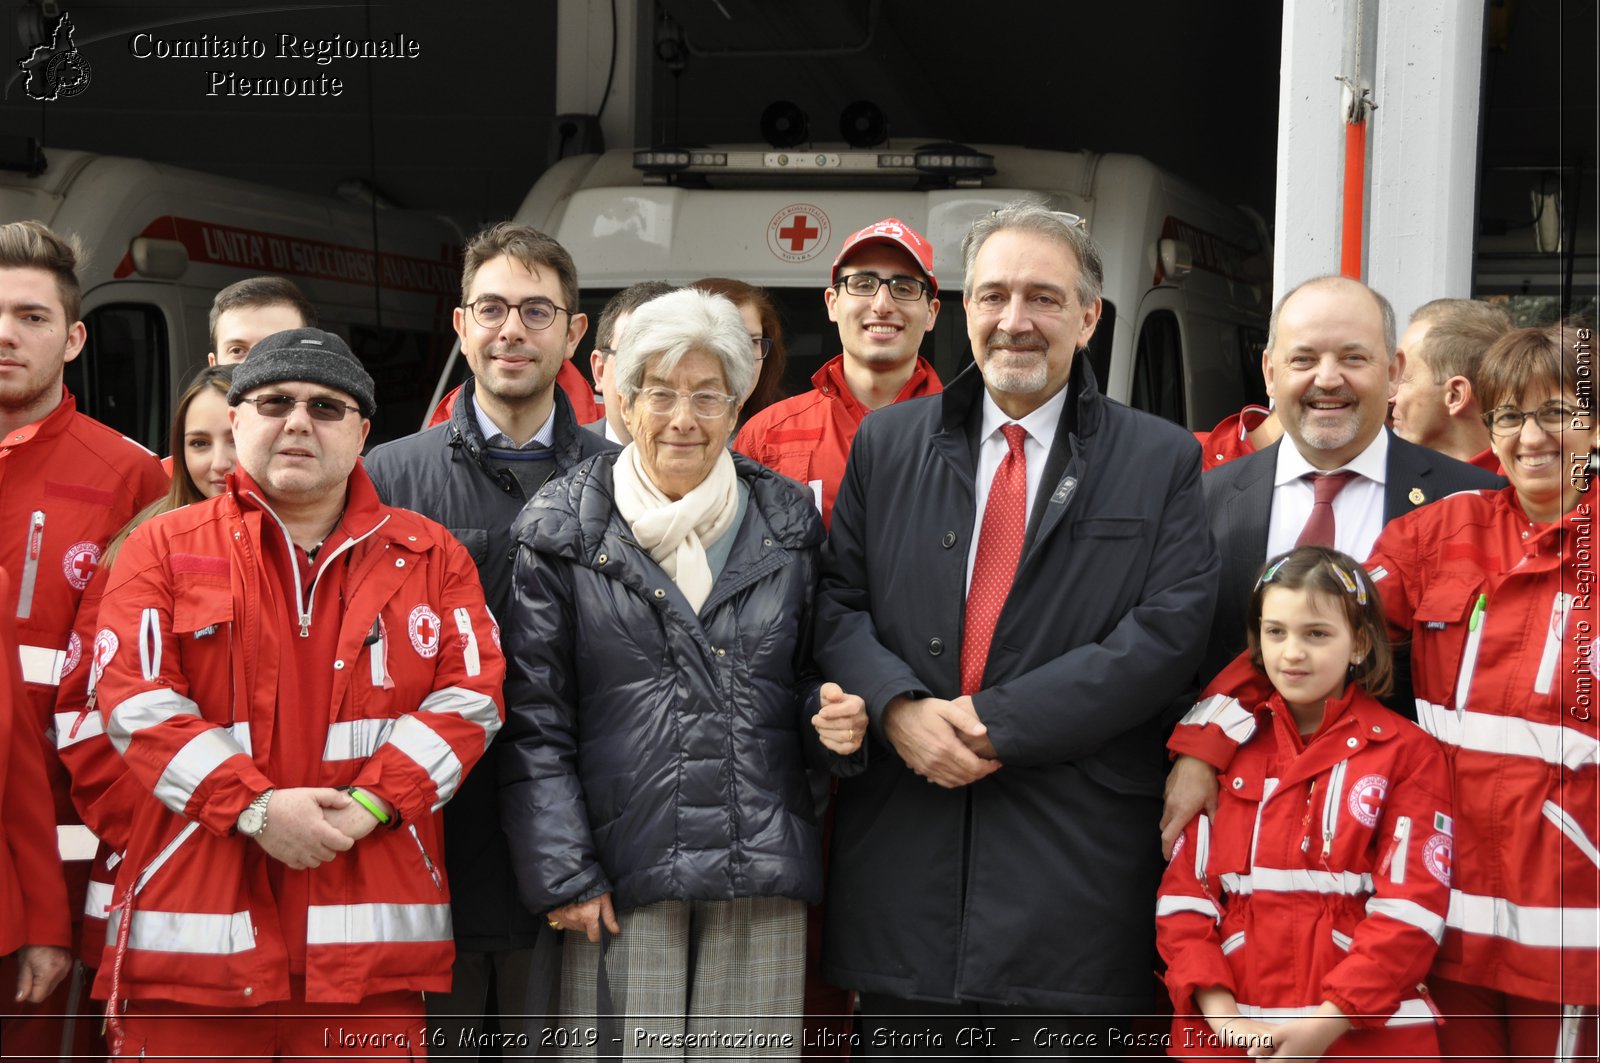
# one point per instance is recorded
(677, 532)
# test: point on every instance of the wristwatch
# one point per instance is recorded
(253, 820)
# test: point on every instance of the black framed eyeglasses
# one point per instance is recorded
(278, 407)
(763, 346)
(866, 285)
(1552, 417)
(537, 314)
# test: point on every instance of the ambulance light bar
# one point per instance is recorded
(944, 160)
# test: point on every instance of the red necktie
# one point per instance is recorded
(1005, 522)
(1319, 526)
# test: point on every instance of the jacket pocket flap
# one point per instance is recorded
(1108, 528)
(199, 601)
(1448, 600)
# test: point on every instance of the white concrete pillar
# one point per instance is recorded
(584, 34)
(1307, 212)
(1423, 163)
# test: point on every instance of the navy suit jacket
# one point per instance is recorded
(1239, 508)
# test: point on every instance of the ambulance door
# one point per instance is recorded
(1159, 378)
(133, 355)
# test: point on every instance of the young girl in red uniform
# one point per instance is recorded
(1301, 919)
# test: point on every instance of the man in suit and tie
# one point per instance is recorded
(1335, 478)
(1019, 578)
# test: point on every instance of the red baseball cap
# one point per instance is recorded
(898, 233)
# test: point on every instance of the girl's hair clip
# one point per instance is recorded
(1352, 586)
(1266, 577)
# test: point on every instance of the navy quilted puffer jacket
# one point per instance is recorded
(649, 751)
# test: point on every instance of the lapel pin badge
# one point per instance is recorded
(1417, 497)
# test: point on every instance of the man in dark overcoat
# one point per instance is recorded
(1019, 581)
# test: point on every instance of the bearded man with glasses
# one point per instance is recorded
(300, 676)
(511, 428)
(884, 298)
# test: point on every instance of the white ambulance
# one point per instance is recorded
(1188, 278)
(162, 241)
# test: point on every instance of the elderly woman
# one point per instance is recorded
(662, 709)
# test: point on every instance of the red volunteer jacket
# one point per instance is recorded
(1231, 437)
(68, 484)
(186, 663)
(1324, 876)
(33, 894)
(1511, 696)
(808, 437)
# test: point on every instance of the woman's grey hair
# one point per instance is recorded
(670, 326)
(1035, 217)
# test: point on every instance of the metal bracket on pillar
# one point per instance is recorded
(1355, 102)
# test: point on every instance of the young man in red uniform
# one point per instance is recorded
(884, 298)
(300, 676)
(67, 485)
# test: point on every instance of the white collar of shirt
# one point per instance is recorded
(1357, 509)
(611, 433)
(1040, 426)
(544, 437)
(1372, 463)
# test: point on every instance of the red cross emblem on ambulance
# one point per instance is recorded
(1366, 798)
(798, 232)
(78, 563)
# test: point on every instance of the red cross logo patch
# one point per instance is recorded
(798, 232)
(74, 654)
(1436, 857)
(79, 562)
(1366, 798)
(105, 648)
(423, 626)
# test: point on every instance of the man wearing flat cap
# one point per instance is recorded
(301, 676)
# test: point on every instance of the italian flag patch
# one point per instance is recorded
(1441, 823)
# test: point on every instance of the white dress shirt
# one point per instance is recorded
(545, 437)
(1357, 509)
(992, 449)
